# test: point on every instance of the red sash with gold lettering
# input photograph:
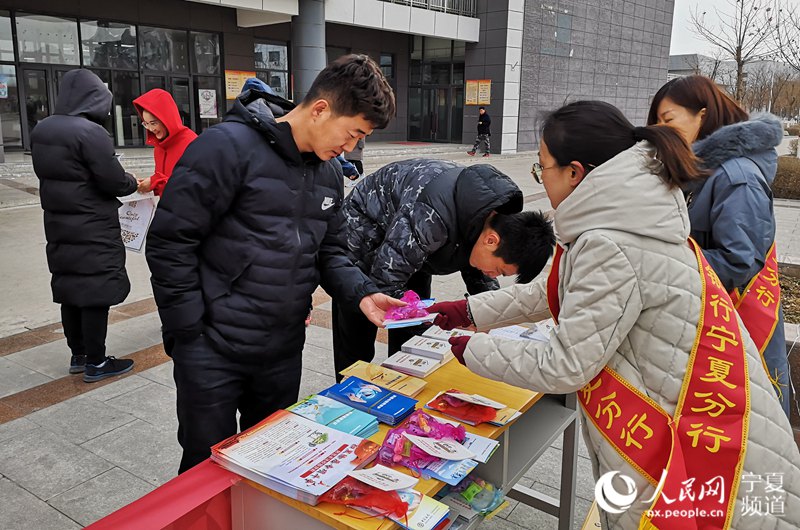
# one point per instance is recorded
(694, 458)
(759, 303)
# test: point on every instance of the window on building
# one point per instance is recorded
(205, 53)
(6, 37)
(559, 25)
(334, 52)
(163, 50)
(125, 87)
(9, 106)
(272, 66)
(387, 65)
(109, 45)
(44, 39)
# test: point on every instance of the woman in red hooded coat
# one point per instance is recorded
(166, 132)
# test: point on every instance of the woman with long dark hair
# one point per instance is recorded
(671, 387)
(731, 212)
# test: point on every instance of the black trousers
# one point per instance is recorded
(85, 329)
(212, 387)
(354, 335)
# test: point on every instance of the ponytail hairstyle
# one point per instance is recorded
(594, 132)
(695, 93)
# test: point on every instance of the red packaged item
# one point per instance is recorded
(469, 413)
(352, 492)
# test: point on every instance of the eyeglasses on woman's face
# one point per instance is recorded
(150, 125)
(537, 171)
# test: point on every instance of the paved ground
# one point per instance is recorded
(71, 453)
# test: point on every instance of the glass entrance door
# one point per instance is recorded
(181, 93)
(429, 114)
(35, 86)
(40, 86)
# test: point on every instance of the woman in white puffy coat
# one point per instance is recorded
(629, 290)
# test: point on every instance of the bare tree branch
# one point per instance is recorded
(744, 32)
(787, 32)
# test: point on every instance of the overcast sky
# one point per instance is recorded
(683, 40)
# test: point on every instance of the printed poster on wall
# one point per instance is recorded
(207, 97)
(135, 216)
(485, 92)
(234, 81)
(471, 93)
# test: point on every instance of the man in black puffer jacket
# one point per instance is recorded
(415, 218)
(80, 180)
(249, 225)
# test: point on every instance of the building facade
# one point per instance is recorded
(526, 57)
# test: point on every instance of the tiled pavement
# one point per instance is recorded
(71, 453)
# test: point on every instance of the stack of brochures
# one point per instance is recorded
(436, 349)
(413, 365)
(389, 407)
(337, 415)
(386, 378)
(293, 455)
(435, 332)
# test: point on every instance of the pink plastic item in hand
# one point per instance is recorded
(414, 309)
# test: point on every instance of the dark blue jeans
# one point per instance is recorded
(212, 387)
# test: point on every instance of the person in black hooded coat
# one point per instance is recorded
(80, 180)
(415, 218)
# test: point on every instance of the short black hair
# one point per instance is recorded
(527, 240)
(481, 108)
(353, 84)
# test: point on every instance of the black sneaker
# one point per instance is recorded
(77, 364)
(108, 368)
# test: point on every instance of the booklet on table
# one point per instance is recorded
(413, 365)
(428, 347)
(385, 377)
(337, 415)
(389, 407)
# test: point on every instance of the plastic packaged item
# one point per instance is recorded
(398, 450)
(414, 309)
(482, 496)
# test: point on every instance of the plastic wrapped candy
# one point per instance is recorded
(352, 492)
(398, 450)
(414, 309)
(482, 496)
(462, 410)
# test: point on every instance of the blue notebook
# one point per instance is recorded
(389, 407)
(336, 415)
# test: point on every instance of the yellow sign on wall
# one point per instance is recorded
(478, 92)
(471, 93)
(234, 81)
